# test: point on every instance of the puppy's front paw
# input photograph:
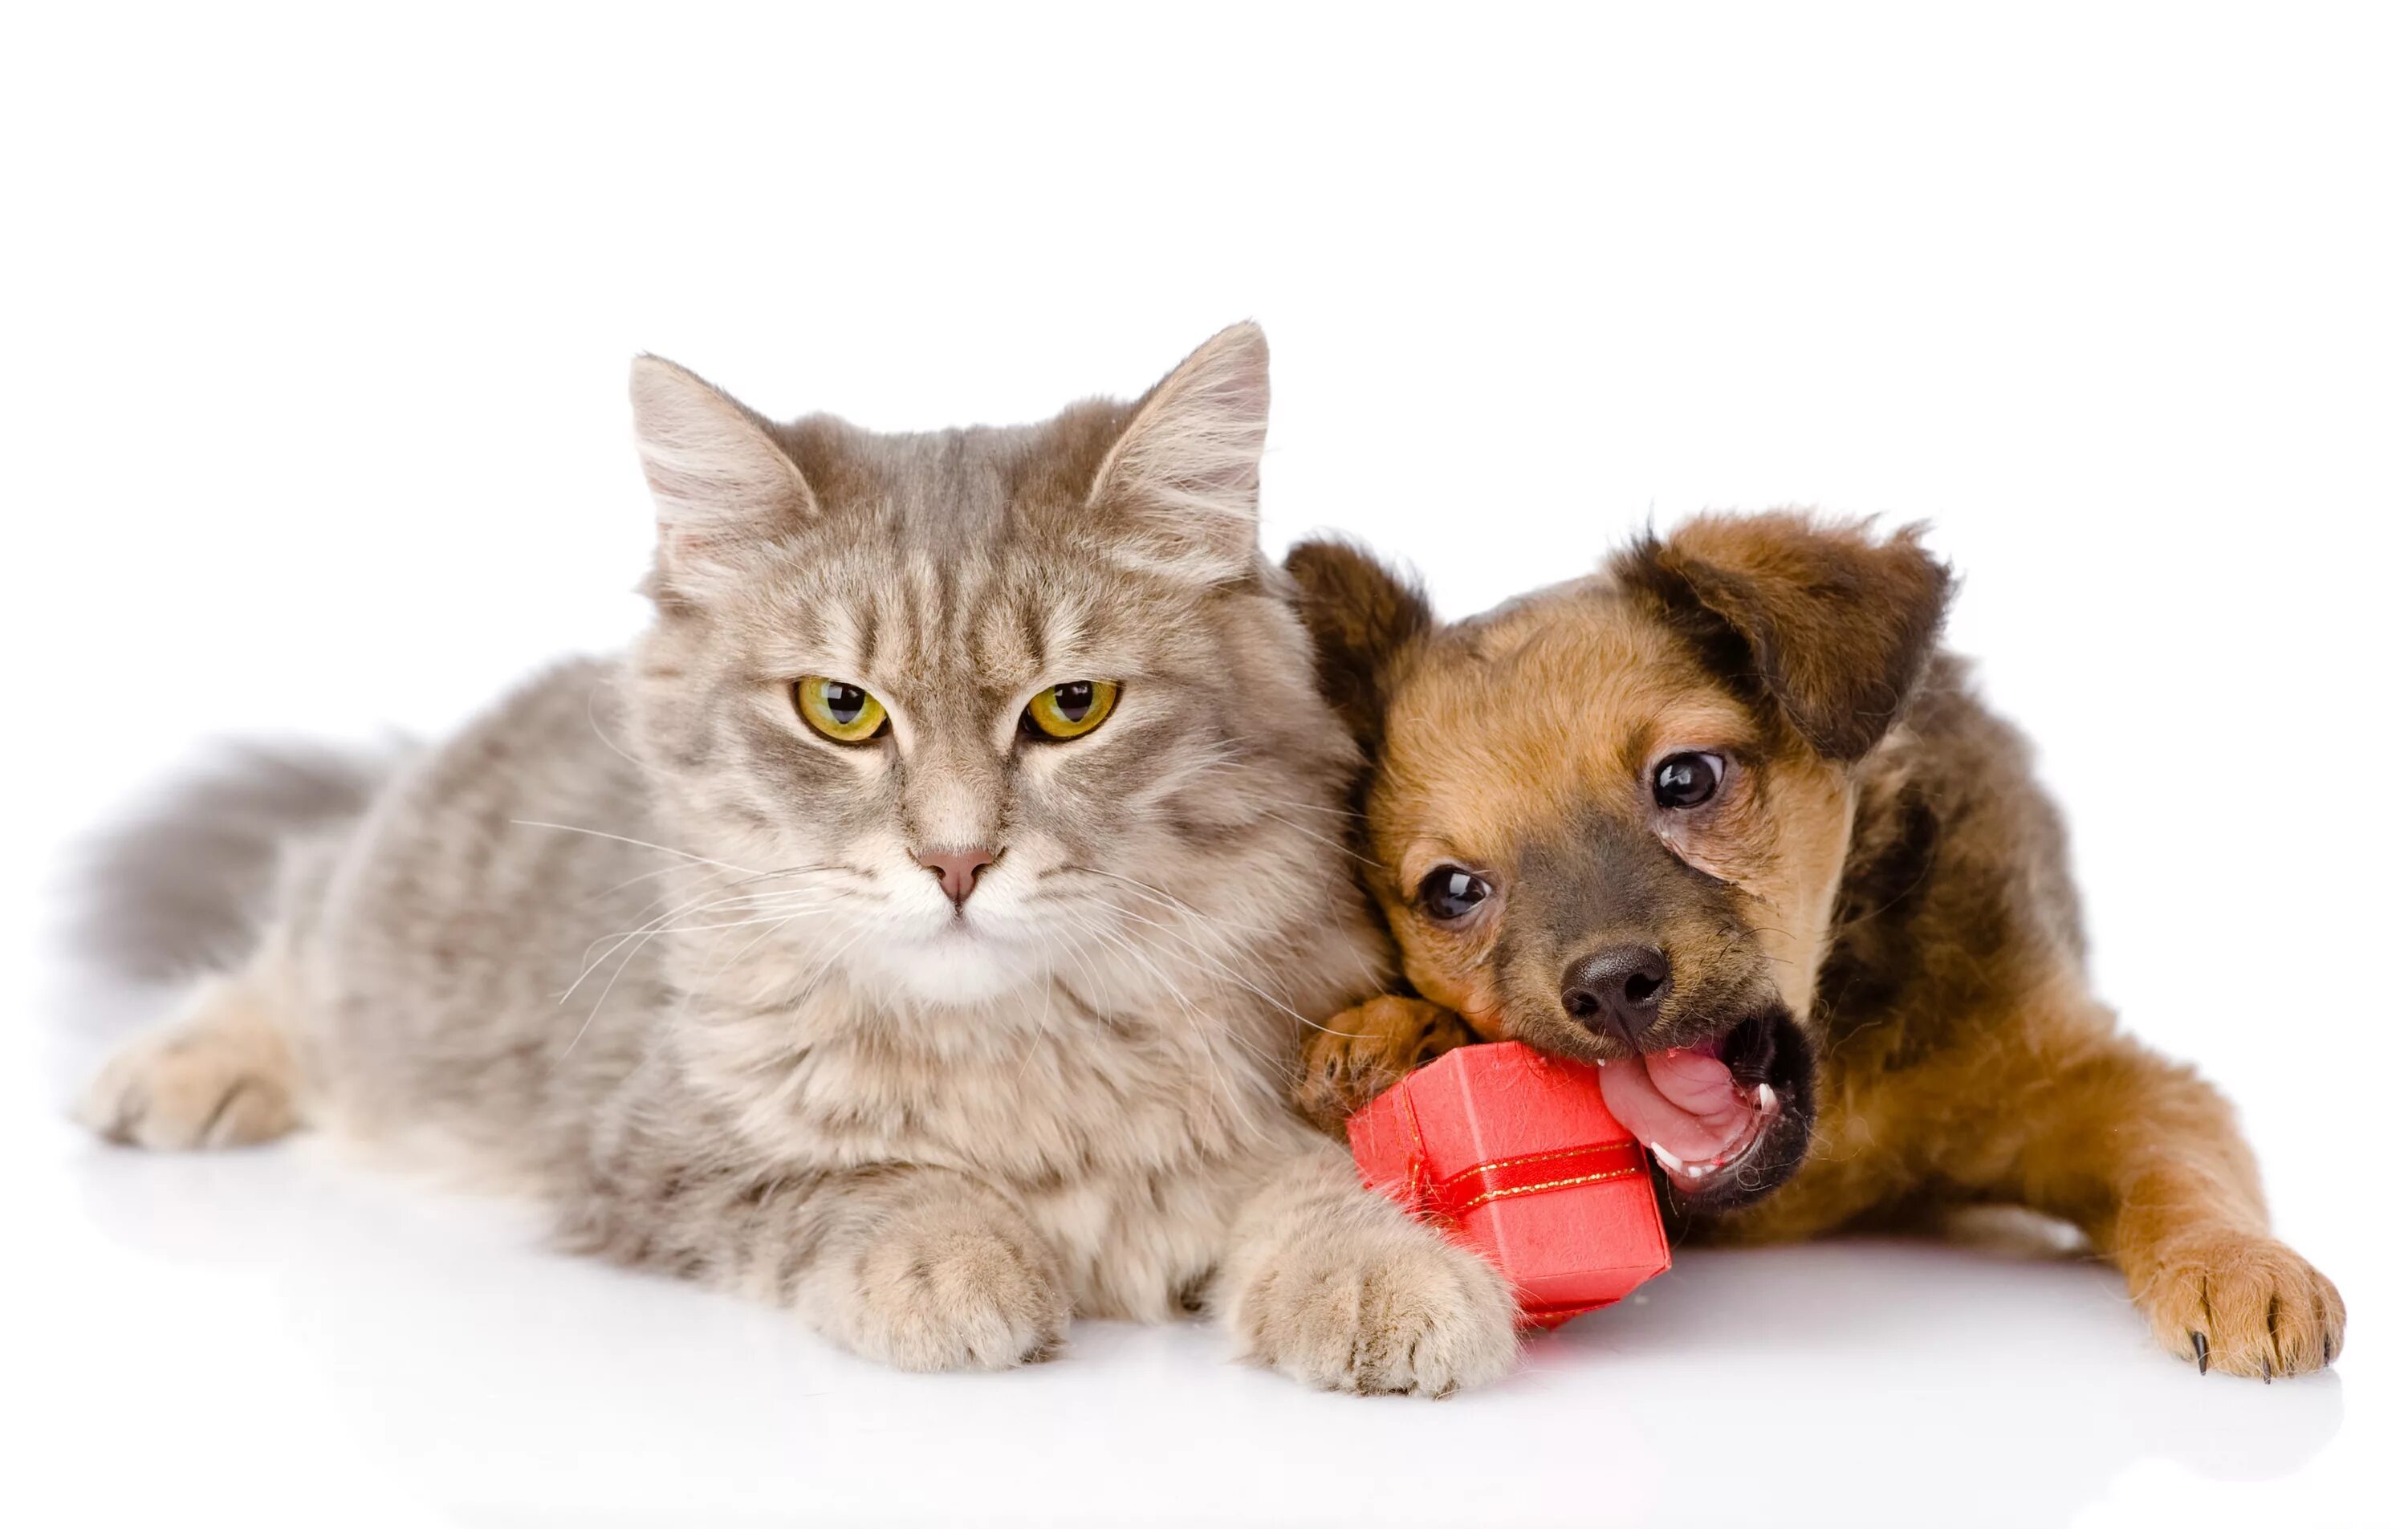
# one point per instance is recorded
(1357, 1055)
(2240, 1303)
(1390, 1308)
(958, 1287)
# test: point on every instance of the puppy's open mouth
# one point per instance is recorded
(1728, 1118)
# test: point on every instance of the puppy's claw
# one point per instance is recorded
(1358, 1054)
(2240, 1303)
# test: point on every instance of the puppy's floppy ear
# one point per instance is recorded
(1836, 626)
(1363, 618)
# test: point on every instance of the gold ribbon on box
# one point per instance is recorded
(1460, 1194)
(1449, 1200)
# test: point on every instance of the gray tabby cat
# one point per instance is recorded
(913, 930)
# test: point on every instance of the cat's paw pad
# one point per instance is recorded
(1404, 1311)
(976, 1296)
(192, 1086)
(2243, 1303)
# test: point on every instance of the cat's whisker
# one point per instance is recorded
(702, 903)
(1036, 1037)
(1310, 807)
(721, 877)
(1210, 967)
(1322, 839)
(646, 932)
(717, 883)
(642, 875)
(781, 912)
(1236, 766)
(745, 949)
(1204, 960)
(810, 979)
(685, 1004)
(713, 881)
(640, 844)
(1223, 971)
(620, 971)
(593, 961)
(1210, 1061)
(1170, 900)
(612, 744)
(1175, 989)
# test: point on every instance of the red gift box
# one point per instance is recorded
(1515, 1154)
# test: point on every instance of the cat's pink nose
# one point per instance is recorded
(957, 869)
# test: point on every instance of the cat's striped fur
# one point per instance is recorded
(643, 943)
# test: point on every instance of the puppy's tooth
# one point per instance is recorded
(1671, 1163)
(1766, 1100)
(1696, 1170)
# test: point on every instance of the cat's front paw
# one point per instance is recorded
(2240, 1303)
(958, 1287)
(1391, 1308)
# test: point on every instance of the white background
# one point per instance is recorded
(316, 329)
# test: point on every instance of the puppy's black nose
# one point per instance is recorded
(1617, 990)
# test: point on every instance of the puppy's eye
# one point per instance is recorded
(1451, 892)
(835, 710)
(1069, 712)
(1686, 780)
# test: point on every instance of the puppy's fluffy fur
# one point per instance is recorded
(1871, 919)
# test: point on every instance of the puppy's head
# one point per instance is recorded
(1608, 818)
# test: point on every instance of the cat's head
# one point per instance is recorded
(987, 705)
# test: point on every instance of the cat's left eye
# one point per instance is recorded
(1069, 712)
(835, 710)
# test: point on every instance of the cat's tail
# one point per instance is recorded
(185, 885)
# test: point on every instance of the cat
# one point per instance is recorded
(913, 930)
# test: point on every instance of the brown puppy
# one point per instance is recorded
(1718, 819)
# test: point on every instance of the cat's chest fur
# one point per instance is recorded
(1125, 1138)
(1034, 1088)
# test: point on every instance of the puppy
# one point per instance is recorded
(1720, 819)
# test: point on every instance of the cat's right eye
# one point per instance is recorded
(835, 710)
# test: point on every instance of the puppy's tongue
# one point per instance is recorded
(1684, 1102)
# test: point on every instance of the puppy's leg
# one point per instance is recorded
(1357, 1055)
(1334, 1286)
(2145, 1157)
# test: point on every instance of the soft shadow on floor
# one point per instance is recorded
(1997, 1368)
(1990, 1380)
(1858, 1381)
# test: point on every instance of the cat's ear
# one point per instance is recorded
(1181, 481)
(1365, 620)
(719, 482)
